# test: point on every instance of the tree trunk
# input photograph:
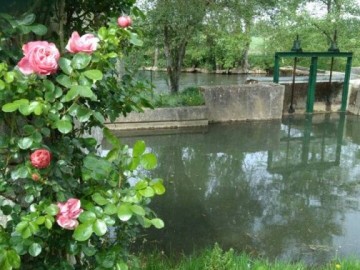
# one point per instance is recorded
(156, 57)
(62, 22)
(245, 56)
(174, 57)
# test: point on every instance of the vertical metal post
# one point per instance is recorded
(346, 84)
(312, 85)
(328, 101)
(291, 108)
(276, 69)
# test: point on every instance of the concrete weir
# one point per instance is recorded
(254, 101)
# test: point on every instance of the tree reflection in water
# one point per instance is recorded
(280, 189)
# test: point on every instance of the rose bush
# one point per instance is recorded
(64, 205)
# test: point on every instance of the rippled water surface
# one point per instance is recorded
(282, 189)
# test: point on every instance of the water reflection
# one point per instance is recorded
(286, 190)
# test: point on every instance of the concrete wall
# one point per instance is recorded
(327, 98)
(163, 118)
(244, 102)
(354, 97)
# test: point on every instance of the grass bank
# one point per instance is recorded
(190, 96)
(217, 259)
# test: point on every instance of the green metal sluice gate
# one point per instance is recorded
(296, 52)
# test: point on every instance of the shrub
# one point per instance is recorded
(65, 203)
(190, 96)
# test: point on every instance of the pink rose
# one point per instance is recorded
(40, 158)
(40, 57)
(86, 43)
(124, 21)
(68, 213)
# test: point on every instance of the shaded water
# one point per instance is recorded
(282, 189)
(160, 80)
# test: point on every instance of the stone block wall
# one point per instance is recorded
(244, 102)
(163, 118)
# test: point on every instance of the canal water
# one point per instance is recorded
(161, 84)
(287, 190)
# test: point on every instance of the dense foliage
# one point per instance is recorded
(65, 202)
(244, 35)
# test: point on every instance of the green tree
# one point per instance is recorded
(175, 23)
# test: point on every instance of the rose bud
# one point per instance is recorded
(35, 177)
(124, 21)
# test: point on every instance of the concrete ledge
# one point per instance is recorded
(244, 102)
(162, 118)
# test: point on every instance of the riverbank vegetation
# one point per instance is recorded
(218, 259)
(190, 96)
(238, 36)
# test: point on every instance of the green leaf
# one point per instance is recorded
(33, 227)
(21, 171)
(64, 126)
(147, 192)
(85, 91)
(139, 148)
(37, 107)
(141, 184)
(27, 19)
(26, 233)
(148, 161)
(65, 65)
(98, 116)
(134, 39)
(83, 114)
(102, 33)
(71, 94)
(81, 60)
(40, 220)
(13, 258)
(99, 227)
(35, 249)
(158, 223)
(98, 167)
(52, 209)
(100, 200)
(121, 266)
(138, 210)
(64, 80)
(112, 55)
(94, 74)
(110, 209)
(111, 138)
(124, 212)
(9, 76)
(10, 107)
(25, 143)
(21, 226)
(39, 29)
(89, 251)
(50, 87)
(87, 217)
(2, 85)
(158, 187)
(83, 232)
(48, 223)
